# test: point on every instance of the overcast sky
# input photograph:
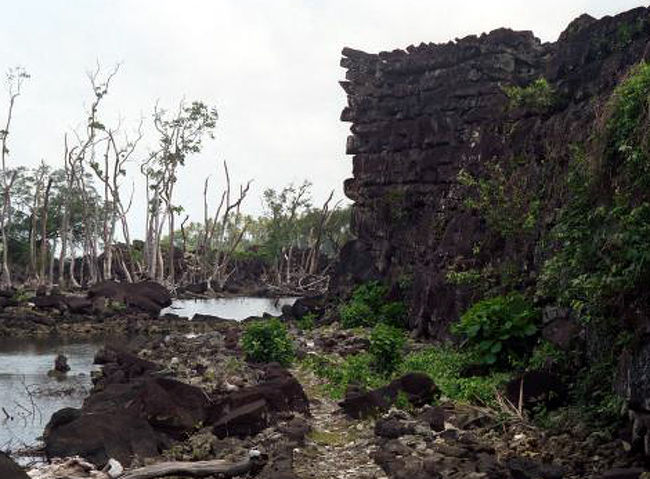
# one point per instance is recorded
(270, 67)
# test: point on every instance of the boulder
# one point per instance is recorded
(146, 296)
(134, 411)
(621, 473)
(418, 388)
(98, 436)
(130, 411)
(249, 410)
(9, 469)
(61, 364)
(537, 388)
(524, 468)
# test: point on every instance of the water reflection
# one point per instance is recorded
(237, 308)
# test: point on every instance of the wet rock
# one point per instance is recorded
(306, 305)
(9, 469)
(130, 412)
(61, 364)
(208, 317)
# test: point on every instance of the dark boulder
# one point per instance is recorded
(9, 469)
(146, 296)
(130, 411)
(630, 473)
(307, 305)
(537, 388)
(249, 410)
(99, 436)
(393, 427)
(418, 388)
(79, 304)
(524, 468)
(434, 417)
(61, 364)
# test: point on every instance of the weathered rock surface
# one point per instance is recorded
(418, 388)
(134, 411)
(421, 115)
(146, 296)
(248, 411)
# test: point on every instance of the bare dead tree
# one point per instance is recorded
(44, 242)
(225, 242)
(15, 80)
(324, 217)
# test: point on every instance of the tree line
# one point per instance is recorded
(69, 225)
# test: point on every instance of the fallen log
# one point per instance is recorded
(197, 468)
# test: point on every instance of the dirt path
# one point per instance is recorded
(337, 447)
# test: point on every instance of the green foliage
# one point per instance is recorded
(545, 355)
(368, 306)
(468, 277)
(386, 345)
(626, 149)
(498, 327)
(339, 373)
(505, 196)
(306, 323)
(356, 313)
(602, 236)
(266, 341)
(539, 96)
(445, 365)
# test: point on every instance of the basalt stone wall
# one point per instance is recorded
(422, 114)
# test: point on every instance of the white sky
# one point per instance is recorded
(270, 67)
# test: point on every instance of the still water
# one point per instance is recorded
(30, 397)
(237, 308)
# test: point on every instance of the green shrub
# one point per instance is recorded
(445, 365)
(545, 355)
(498, 327)
(339, 373)
(355, 314)
(306, 323)
(393, 313)
(386, 344)
(602, 236)
(539, 96)
(372, 293)
(368, 306)
(268, 341)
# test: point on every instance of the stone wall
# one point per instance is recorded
(422, 114)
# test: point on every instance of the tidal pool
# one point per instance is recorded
(237, 308)
(29, 396)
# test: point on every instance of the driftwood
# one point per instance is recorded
(196, 468)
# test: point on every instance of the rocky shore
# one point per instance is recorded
(190, 395)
